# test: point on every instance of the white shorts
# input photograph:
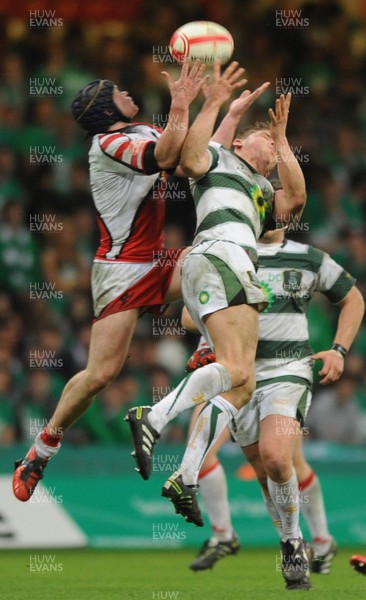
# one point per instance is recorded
(109, 280)
(283, 398)
(119, 286)
(216, 275)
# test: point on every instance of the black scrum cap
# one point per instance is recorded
(93, 107)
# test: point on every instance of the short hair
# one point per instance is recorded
(258, 126)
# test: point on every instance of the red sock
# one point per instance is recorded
(306, 482)
(50, 440)
(204, 472)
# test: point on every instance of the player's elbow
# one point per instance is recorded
(298, 202)
(165, 158)
(289, 204)
(358, 302)
(158, 158)
(165, 163)
(354, 304)
(188, 171)
(191, 168)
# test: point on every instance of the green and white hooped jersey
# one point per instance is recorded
(233, 201)
(290, 273)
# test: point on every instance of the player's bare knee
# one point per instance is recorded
(98, 381)
(278, 467)
(240, 375)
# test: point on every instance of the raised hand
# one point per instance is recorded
(185, 89)
(223, 85)
(279, 118)
(238, 107)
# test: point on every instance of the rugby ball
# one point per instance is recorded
(202, 39)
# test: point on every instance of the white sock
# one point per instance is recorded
(210, 423)
(312, 507)
(200, 386)
(213, 489)
(44, 450)
(285, 497)
(273, 513)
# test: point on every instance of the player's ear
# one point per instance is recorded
(237, 143)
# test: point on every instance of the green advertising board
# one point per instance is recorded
(115, 508)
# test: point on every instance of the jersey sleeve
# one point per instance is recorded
(130, 155)
(333, 281)
(213, 150)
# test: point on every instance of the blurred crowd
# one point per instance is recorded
(48, 232)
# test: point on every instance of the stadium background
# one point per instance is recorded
(48, 237)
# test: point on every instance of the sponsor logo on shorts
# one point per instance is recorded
(204, 297)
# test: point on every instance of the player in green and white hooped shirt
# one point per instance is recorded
(219, 284)
(269, 430)
(291, 273)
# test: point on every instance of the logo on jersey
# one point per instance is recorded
(269, 294)
(292, 280)
(204, 297)
(261, 204)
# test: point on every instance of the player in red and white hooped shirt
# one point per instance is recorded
(131, 273)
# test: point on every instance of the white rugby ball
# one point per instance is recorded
(202, 39)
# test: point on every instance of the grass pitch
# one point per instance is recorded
(161, 575)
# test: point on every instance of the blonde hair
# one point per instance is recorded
(247, 131)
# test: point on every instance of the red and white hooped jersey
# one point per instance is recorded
(126, 186)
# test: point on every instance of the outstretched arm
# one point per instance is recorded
(291, 199)
(226, 131)
(195, 160)
(349, 321)
(183, 92)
